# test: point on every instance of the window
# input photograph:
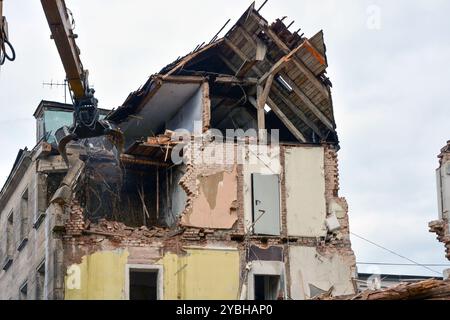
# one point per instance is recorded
(23, 292)
(267, 287)
(266, 204)
(53, 120)
(24, 220)
(144, 282)
(266, 280)
(9, 252)
(10, 235)
(40, 281)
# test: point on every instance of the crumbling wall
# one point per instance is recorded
(442, 226)
(211, 187)
(317, 270)
(172, 196)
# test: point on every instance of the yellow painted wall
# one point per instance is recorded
(100, 276)
(202, 274)
(199, 274)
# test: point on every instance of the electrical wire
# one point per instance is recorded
(395, 253)
(5, 46)
(403, 264)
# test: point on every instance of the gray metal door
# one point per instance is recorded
(266, 203)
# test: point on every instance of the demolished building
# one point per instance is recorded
(442, 226)
(241, 203)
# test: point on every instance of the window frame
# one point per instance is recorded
(143, 268)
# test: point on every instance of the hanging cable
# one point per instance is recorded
(395, 253)
(7, 51)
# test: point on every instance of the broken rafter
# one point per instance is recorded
(129, 159)
(317, 112)
(281, 63)
(298, 63)
(291, 127)
(191, 56)
(286, 121)
(200, 79)
(285, 99)
(298, 112)
(245, 68)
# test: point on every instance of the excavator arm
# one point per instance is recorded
(62, 32)
(86, 122)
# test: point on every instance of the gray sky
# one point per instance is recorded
(387, 63)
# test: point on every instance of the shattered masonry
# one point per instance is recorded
(263, 226)
(442, 226)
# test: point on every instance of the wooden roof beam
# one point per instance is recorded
(291, 106)
(279, 65)
(289, 125)
(317, 112)
(298, 63)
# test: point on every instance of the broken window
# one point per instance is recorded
(144, 284)
(23, 292)
(267, 287)
(53, 120)
(24, 220)
(266, 204)
(40, 281)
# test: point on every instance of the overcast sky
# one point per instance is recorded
(388, 61)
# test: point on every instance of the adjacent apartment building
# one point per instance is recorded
(227, 186)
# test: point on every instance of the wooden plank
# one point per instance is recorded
(129, 159)
(289, 125)
(294, 108)
(236, 50)
(191, 56)
(298, 112)
(280, 63)
(206, 107)
(293, 129)
(260, 108)
(201, 79)
(316, 111)
(245, 68)
(299, 64)
(262, 96)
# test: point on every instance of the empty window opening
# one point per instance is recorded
(24, 219)
(10, 235)
(23, 292)
(267, 287)
(143, 284)
(40, 281)
(284, 84)
(267, 108)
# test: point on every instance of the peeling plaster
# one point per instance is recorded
(215, 204)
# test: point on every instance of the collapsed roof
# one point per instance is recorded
(252, 52)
